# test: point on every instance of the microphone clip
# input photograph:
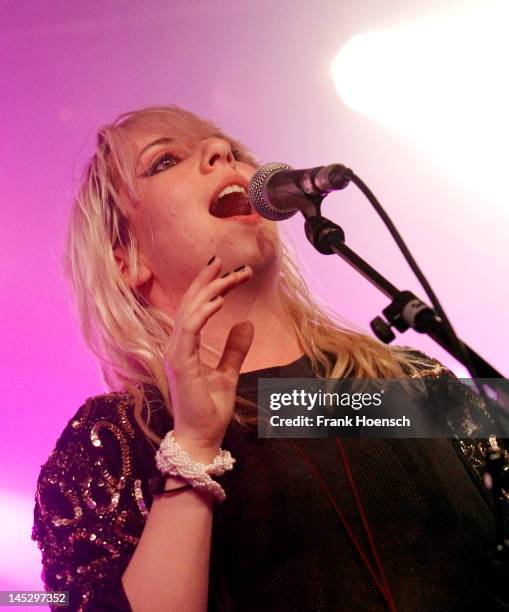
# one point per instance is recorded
(323, 233)
(322, 180)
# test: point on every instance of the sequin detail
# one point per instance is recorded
(92, 497)
(465, 408)
(90, 508)
(138, 496)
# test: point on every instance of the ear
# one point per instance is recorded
(144, 274)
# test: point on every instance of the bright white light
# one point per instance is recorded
(442, 82)
(20, 559)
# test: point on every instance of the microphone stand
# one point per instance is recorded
(406, 311)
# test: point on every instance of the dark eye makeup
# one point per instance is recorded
(237, 154)
(162, 162)
(168, 160)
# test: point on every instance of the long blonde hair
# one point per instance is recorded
(127, 334)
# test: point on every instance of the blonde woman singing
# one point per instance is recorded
(159, 495)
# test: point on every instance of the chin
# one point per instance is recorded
(259, 249)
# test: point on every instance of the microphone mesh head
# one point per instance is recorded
(257, 192)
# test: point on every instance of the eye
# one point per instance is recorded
(236, 152)
(163, 162)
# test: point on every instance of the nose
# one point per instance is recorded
(215, 151)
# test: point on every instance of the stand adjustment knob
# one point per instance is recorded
(382, 330)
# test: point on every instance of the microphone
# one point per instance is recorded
(277, 191)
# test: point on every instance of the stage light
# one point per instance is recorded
(441, 82)
(20, 559)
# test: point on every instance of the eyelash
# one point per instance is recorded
(237, 155)
(165, 156)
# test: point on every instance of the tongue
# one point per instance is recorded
(231, 204)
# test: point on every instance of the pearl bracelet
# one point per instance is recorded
(173, 460)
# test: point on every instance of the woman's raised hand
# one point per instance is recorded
(203, 398)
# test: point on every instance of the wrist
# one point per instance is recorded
(160, 483)
(163, 486)
(194, 463)
(172, 482)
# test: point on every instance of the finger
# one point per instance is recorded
(222, 286)
(187, 340)
(202, 279)
(237, 346)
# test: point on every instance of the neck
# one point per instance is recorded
(275, 341)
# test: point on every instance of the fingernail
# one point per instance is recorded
(211, 260)
(225, 274)
(239, 268)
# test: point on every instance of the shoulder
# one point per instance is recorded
(468, 414)
(470, 418)
(453, 390)
(109, 420)
(100, 457)
(97, 473)
(101, 423)
(112, 410)
(421, 365)
(104, 436)
(459, 394)
(92, 497)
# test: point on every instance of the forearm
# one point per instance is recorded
(169, 569)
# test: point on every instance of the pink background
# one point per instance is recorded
(262, 70)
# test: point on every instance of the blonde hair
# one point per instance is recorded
(127, 334)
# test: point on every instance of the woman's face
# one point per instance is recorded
(179, 221)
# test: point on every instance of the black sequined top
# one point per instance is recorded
(277, 543)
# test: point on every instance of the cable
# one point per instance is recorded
(460, 348)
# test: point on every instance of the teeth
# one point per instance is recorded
(232, 189)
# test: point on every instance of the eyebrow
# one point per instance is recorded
(159, 141)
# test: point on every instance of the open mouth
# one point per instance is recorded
(231, 202)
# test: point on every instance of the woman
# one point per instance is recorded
(187, 296)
